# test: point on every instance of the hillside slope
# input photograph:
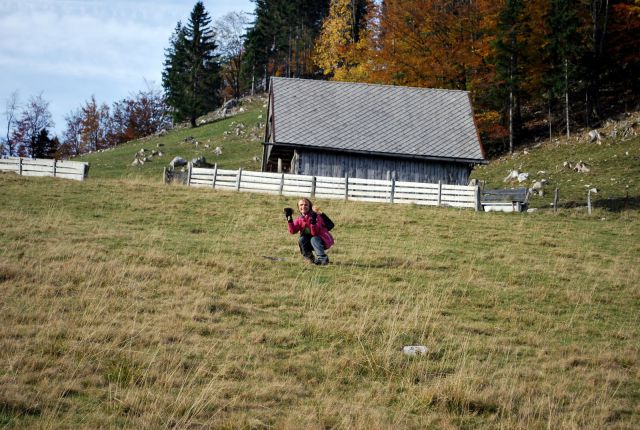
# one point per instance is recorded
(614, 163)
(239, 136)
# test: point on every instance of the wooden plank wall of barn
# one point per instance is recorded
(369, 167)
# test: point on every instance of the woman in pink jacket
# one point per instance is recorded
(314, 236)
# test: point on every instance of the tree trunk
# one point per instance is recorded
(511, 121)
(550, 130)
(511, 105)
(586, 107)
(600, 18)
(253, 80)
(566, 94)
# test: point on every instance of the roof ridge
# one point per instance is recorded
(322, 81)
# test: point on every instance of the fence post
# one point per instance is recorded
(20, 166)
(239, 179)
(393, 190)
(346, 186)
(215, 176)
(626, 201)
(556, 196)
(164, 175)
(282, 183)
(54, 167)
(478, 201)
(189, 175)
(439, 192)
(313, 187)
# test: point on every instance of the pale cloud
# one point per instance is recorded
(89, 39)
(66, 48)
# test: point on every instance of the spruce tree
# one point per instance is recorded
(191, 78)
(564, 51)
(280, 42)
(43, 146)
(508, 52)
(174, 76)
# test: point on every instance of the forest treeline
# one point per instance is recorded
(556, 64)
(532, 68)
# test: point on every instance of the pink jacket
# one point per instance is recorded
(303, 222)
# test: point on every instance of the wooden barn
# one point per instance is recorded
(327, 128)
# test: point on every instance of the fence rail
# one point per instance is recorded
(45, 167)
(371, 190)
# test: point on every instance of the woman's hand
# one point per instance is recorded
(288, 214)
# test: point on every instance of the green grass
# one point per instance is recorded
(131, 304)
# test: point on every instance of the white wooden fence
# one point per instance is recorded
(346, 188)
(45, 167)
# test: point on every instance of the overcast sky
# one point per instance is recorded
(69, 50)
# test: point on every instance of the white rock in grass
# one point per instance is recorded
(582, 167)
(414, 350)
(177, 162)
(513, 174)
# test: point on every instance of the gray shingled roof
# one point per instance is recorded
(381, 119)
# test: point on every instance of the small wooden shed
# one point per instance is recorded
(328, 128)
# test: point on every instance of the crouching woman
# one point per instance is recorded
(314, 236)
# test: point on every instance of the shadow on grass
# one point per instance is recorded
(372, 265)
(385, 264)
(618, 204)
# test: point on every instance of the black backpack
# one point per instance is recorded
(327, 221)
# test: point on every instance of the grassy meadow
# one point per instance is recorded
(129, 304)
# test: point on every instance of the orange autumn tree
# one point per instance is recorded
(434, 43)
(94, 118)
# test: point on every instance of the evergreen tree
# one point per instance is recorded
(44, 146)
(174, 75)
(40, 144)
(191, 78)
(508, 50)
(281, 40)
(564, 49)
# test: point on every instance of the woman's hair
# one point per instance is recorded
(308, 201)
